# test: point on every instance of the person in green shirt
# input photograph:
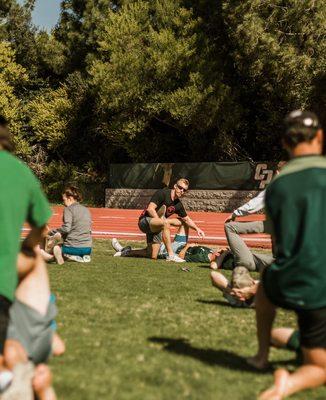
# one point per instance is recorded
(21, 199)
(296, 280)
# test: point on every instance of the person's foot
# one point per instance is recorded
(87, 259)
(257, 363)
(58, 255)
(277, 391)
(117, 254)
(116, 245)
(21, 385)
(175, 258)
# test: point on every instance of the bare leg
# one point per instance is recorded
(58, 345)
(140, 253)
(42, 383)
(46, 256)
(220, 281)
(265, 315)
(280, 337)
(312, 374)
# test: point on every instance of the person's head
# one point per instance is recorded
(180, 187)
(303, 134)
(71, 195)
(5, 140)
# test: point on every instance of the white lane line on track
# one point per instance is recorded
(117, 234)
(112, 217)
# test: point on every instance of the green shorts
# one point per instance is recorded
(32, 330)
(198, 254)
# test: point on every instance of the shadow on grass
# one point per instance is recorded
(221, 303)
(213, 357)
(222, 358)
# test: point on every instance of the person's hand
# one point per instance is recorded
(230, 218)
(244, 294)
(200, 233)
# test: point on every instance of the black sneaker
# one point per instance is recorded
(125, 251)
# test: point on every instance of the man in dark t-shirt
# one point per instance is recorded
(155, 221)
(296, 280)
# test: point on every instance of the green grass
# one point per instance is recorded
(138, 329)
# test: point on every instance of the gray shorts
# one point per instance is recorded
(143, 225)
(32, 330)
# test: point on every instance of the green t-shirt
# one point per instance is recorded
(198, 254)
(296, 206)
(21, 199)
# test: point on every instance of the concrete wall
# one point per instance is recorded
(195, 200)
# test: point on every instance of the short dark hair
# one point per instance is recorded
(300, 126)
(73, 191)
(5, 139)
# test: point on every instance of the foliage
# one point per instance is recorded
(159, 81)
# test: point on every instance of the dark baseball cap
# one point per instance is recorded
(302, 119)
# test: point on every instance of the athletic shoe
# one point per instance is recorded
(125, 251)
(175, 258)
(87, 259)
(116, 245)
(74, 258)
(117, 254)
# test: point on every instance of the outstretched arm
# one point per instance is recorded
(187, 220)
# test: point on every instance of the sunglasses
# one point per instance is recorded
(181, 188)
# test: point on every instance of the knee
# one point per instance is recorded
(230, 227)
(14, 353)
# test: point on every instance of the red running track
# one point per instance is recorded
(122, 224)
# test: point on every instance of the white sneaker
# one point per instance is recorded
(117, 254)
(175, 258)
(87, 259)
(74, 258)
(116, 245)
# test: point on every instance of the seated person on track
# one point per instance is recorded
(76, 230)
(156, 223)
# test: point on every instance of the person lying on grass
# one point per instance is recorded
(30, 337)
(189, 252)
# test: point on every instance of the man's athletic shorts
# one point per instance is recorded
(143, 225)
(4, 320)
(312, 327)
(32, 330)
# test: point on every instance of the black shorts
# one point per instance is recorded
(4, 320)
(151, 237)
(312, 326)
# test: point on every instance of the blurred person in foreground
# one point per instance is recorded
(296, 280)
(21, 199)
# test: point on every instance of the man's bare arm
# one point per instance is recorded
(151, 209)
(192, 225)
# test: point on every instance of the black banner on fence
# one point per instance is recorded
(209, 176)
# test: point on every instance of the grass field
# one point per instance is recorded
(138, 329)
